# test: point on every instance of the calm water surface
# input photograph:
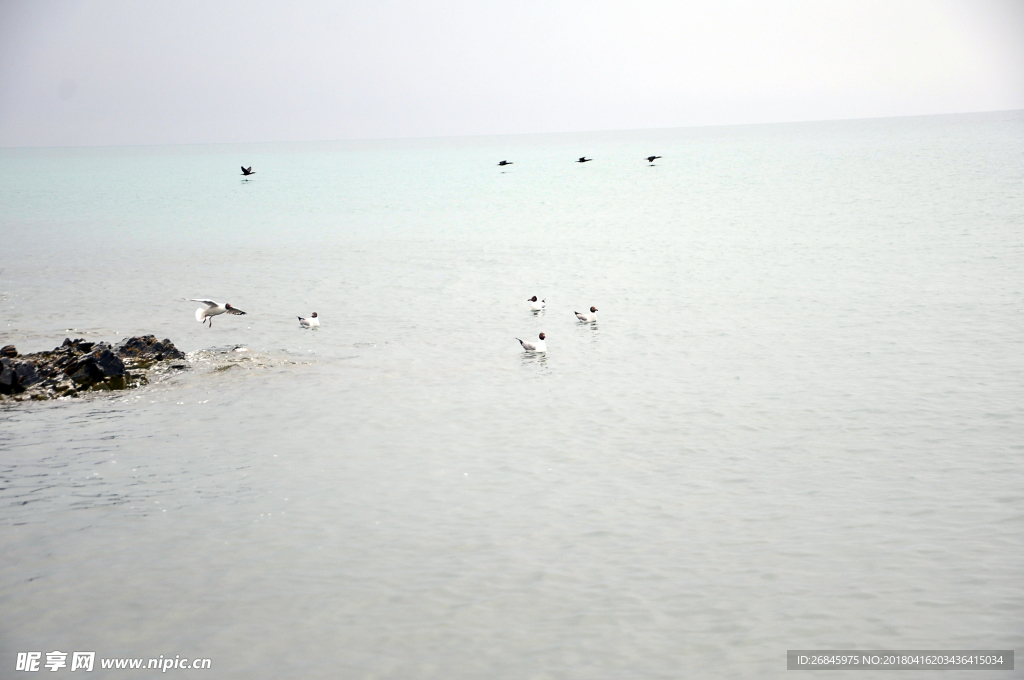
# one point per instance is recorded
(797, 422)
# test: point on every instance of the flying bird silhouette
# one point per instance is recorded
(651, 159)
(247, 170)
(584, 159)
(506, 163)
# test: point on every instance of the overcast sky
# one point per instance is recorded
(111, 72)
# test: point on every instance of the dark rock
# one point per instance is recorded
(79, 346)
(81, 365)
(27, 374)
(84, 373)
(108, 362)
(17, 376)
(8, 377)
(146, 349)
(99, 365)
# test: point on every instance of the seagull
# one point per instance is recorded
(212, 310)
(584, 159)
(651, 159)
(538, 346)
(536, 306)
(247, 170)
(506, 163)
(587, 318)
(311, 322)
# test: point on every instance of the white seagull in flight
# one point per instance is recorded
(212, 310)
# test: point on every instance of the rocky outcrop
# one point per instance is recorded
(78, 365)
(144, 350)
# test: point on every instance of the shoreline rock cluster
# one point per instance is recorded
(79, 366)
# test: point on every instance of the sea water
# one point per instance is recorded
(797, 422)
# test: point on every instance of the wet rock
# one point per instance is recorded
(17, 376)
(143, 350)
(97, 366)
(27, 374)
(8, 378)
(79, 365)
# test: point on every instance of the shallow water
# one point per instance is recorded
(796, 423)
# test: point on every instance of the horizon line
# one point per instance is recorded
(513, 134)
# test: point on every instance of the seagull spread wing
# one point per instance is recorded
(208, 303)
(235, 311)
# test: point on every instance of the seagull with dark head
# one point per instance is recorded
(538, 346)
(212, 310)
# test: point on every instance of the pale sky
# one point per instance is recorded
(127, 72)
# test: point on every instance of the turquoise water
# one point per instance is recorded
(796, 423)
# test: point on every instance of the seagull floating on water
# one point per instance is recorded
(247, 170)
(584, 159)
(212, 310)
(587, 318)
(311, 322)
(538, 346)
(506, 163)
(651, 159)
(536, 306)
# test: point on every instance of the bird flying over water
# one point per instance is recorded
(311, 322)
(247, 170)
(212, 310)
(651, 159)
(587, 318)
(506, 163)
(584, 159)
(538, 346)
(536, 306)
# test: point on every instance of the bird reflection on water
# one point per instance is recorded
(539, 359)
